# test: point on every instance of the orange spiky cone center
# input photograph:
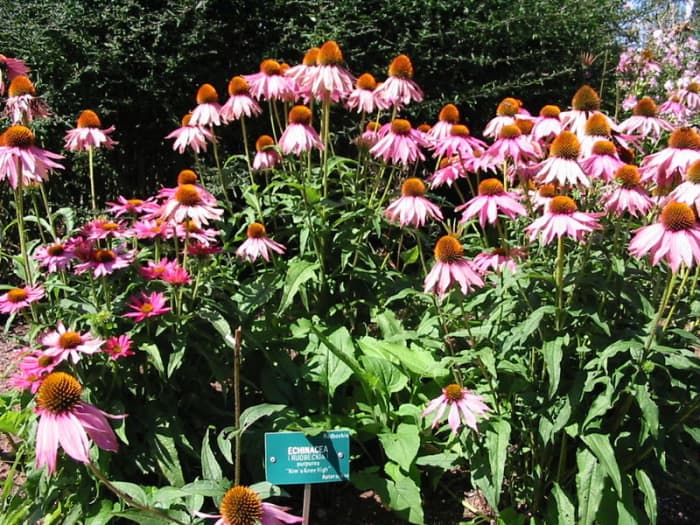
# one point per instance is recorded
(255, 231)
(693, 172)
(366, 81)
(400, 126)
(449, 113)
(684, 138)
(56, 250)
(645, 108)
(547, 191)
(300, 115)
(586, 99)
(677, 216)
(146, 308)
(597, 125)
(45, 360)
(270, 67)
(550, 111)
(448, 249)
(264, 142)
(186, 120)
(373, 126)
(69, 340)
(628, 175)
(459, 130)
(604, 147)
(104, 256)
(563, 205)
(509, 131)
(19, 137)
(206, 94)
(21, 85)
(186, 177)
(491, 187)
(134, 202)
(424, 127)
(238, 86)
(525, 126)
(188, 195)
(508, 107)
(413, 187)
(565, 146)
(311, 57)
(17, 295)
(330, 54)
(88, 119)
(453, 393)
(241, 506)
(59, 392)
(401, 67)
(693, 87)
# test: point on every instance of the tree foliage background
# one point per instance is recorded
(139, 64)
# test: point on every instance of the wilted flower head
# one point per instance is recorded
(22, 104)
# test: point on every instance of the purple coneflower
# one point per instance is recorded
(363, 97)
(448, 117)
(506, 111)
(147, 306)
(399, 89)
(627, 196)
(603, 161)
(584, 103)
(66, 420)
(562, 167)
(511, 146)
(689, 190)
(88, 134)
(104, 261)
(299, 137)
(189, 202)
(270, 83)
(547, 125)
(239, 103)
(242, 506)
(645, 122)
(464, 406)
(412, 207)
(457, 142)
(258, 244)
(63, 344)
(207, 111)
(399, 143)
(190, 136)
(563, 218)
(667, 166)
(492, 199)
(451, 267)
(118, 346)
(54, 257)
(329, 80)
(17, 299)
(674, 239)
(20, 155)
(266, 155)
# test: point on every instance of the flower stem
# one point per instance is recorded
(559, 278)
(91, 172)
(237, 404)
(659, 314)
(679, 296)
(221, 172)
(19, 208)
(128, 499)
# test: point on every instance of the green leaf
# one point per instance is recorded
(552, 353)
(416, 360)
(154, 356)
(647, 488)
(332, 371)
(402, 445)
(175, 359)
(444, 460)
(405, 495)
(298, 273)
(565, 508)
(488, 476)
(167, 458)
(589, 486)
(387, 376)
(650, 410)
(132, 490)
(522, 331)
(207, 487)
(210, 467)
(251, 414)
(600, 446)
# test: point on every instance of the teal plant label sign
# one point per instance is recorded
(293, 458)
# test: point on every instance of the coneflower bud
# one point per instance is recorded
(186, 177)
